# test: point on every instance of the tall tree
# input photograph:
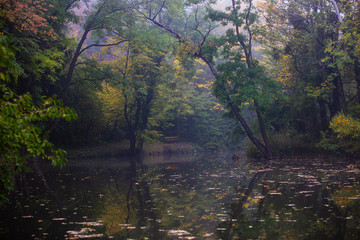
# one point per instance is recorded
(299, 33)
(38, 51)
(104, 19)
(239, 67)
(135, 75)
(30, 61)
(24, 125)
(345, 50)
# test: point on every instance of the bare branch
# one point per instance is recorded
(102, 45)
(70, 5)
(162, 26)
(248, 28)
(158, 12)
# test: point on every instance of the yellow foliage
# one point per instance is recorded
(112, 102)
(291, 234)
(345, 126)
(187, 48)
(220, 195)
(218, 106)
(286, 73)
(322, 91)
(207, 85)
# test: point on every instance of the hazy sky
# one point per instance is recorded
(221, 4)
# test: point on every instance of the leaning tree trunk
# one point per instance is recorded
(264, 149)
(263, 133)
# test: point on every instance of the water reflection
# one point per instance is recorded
(180, 196)
(186, 197)
(307, 199)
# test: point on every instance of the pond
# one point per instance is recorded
(186, 197)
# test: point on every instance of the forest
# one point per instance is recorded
(274, 78)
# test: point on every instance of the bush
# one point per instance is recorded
(344, 136)
(285, 144)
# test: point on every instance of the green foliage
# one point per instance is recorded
(313, 55)
(241, 81)
(206, 126)
(330, 143)
(22, 131)
(146, 86)
(246, 85)
(190, 111)
(49, 62)
(129, 92)
(8, 67)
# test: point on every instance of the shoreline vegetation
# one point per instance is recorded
(121, 149)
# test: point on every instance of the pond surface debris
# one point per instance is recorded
(186, 197)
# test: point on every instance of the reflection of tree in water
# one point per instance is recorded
(314, 201)
(294, 200)
(167, 201)
(164, 201)
(129, 211)
(190, 197)
(347, 201)
(23, 206)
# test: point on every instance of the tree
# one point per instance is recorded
(93, 23)
(313, 46)
(241, 79)
(187, 105)
(247, 68)
(297, 35)
(24, 127)
(345, 50)
(27, 17)
(135, 75)
(104, 19)
(37, 44)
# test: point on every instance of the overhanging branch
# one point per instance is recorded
(102, 45)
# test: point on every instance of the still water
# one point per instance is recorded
(185, 197)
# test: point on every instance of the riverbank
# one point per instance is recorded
(121, 149)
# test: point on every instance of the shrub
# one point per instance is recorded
(344, 135)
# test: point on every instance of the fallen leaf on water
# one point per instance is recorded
(178, 232)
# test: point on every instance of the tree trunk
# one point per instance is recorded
(357, 77)
(248, 131)
(263, 133)
(259, 174)
(342, 96)
(74, 60)
(322, 112)
(132, 138)
(250, 134)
